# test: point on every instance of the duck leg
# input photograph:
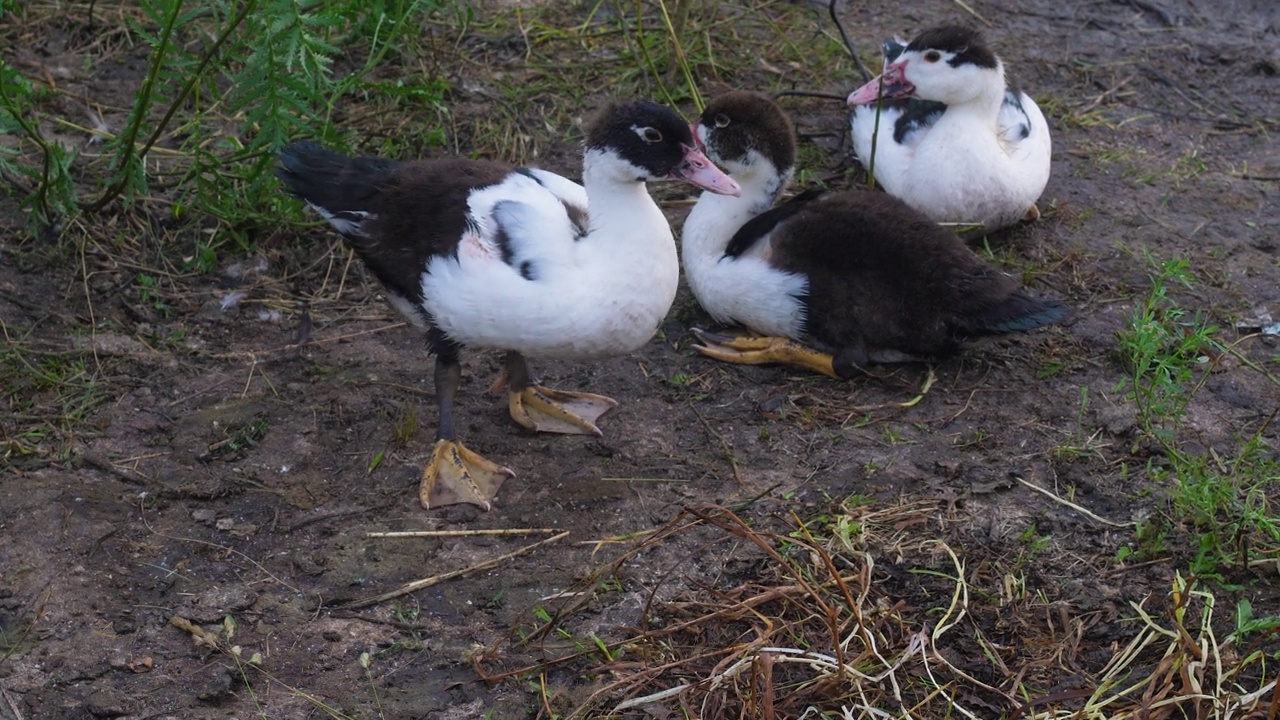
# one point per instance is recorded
(456, 474)
(760, 350)
(546, 410)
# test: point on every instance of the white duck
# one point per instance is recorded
(481, 254)
(951, 139)
(834, 281)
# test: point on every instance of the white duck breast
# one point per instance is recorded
(952, 140)
(526, 278)
(742, 288)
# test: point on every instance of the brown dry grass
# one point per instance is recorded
(872, 612)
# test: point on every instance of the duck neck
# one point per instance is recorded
(636, 251)
(989, 96)
(716, 218)
(619, 200)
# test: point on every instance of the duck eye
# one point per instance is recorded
(722, 120)
(651, 135)
(932, 56)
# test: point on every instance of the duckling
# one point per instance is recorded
(833, 281)
(950, 138)
(481, 254)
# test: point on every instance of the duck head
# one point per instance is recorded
(645, 141)
(948, 64)
(742, 131)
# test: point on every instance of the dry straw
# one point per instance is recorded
(870, 613)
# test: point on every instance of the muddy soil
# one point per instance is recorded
(232, 474)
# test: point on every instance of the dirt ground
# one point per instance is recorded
(226, 472)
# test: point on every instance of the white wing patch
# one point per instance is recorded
(569, 192)
(1014, 123)
(347, 222)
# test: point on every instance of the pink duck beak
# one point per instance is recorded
(895, 86)
(698, 171)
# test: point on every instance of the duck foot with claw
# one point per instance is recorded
(545, 410)
(763, 350)
(458, 475)
(558, 411)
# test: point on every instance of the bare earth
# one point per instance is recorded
(230, 473)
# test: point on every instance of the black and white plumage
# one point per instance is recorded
(484, 255)
(859, 277)
(953, 140)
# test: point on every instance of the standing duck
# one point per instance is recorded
(484, 255)
(953, 140)
(833, 281)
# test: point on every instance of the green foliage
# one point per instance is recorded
(52, 193)
(228, 83)
(1229, 502)
(15, 91)
(239, 440)
(287, 74)
(1164, 347)
(1248, 624)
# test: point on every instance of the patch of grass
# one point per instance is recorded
(228, 82)
(893, 436)
(411, 639)
(17, 638)
(1231, 502)
(47, 396)
(1151, 541)
(147, 295)
(239, 440)
(1166, 350)
(405, 430)
(1033, 544)
(1143, 167)
(1085, 116)
(1082, 442)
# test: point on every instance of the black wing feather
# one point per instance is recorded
(764, 223)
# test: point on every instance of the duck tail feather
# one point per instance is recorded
(344, 190)
(1018, 313)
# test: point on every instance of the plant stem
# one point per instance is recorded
(125, 150)
(194, 79)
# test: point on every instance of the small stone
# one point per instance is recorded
(243, 530)
(1117, 420)
(213, 605)
(106, 702)
(215, 685)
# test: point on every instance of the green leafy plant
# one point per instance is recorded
(48, 189)
(228, 82)
(1228, 501)
(1164, 347)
